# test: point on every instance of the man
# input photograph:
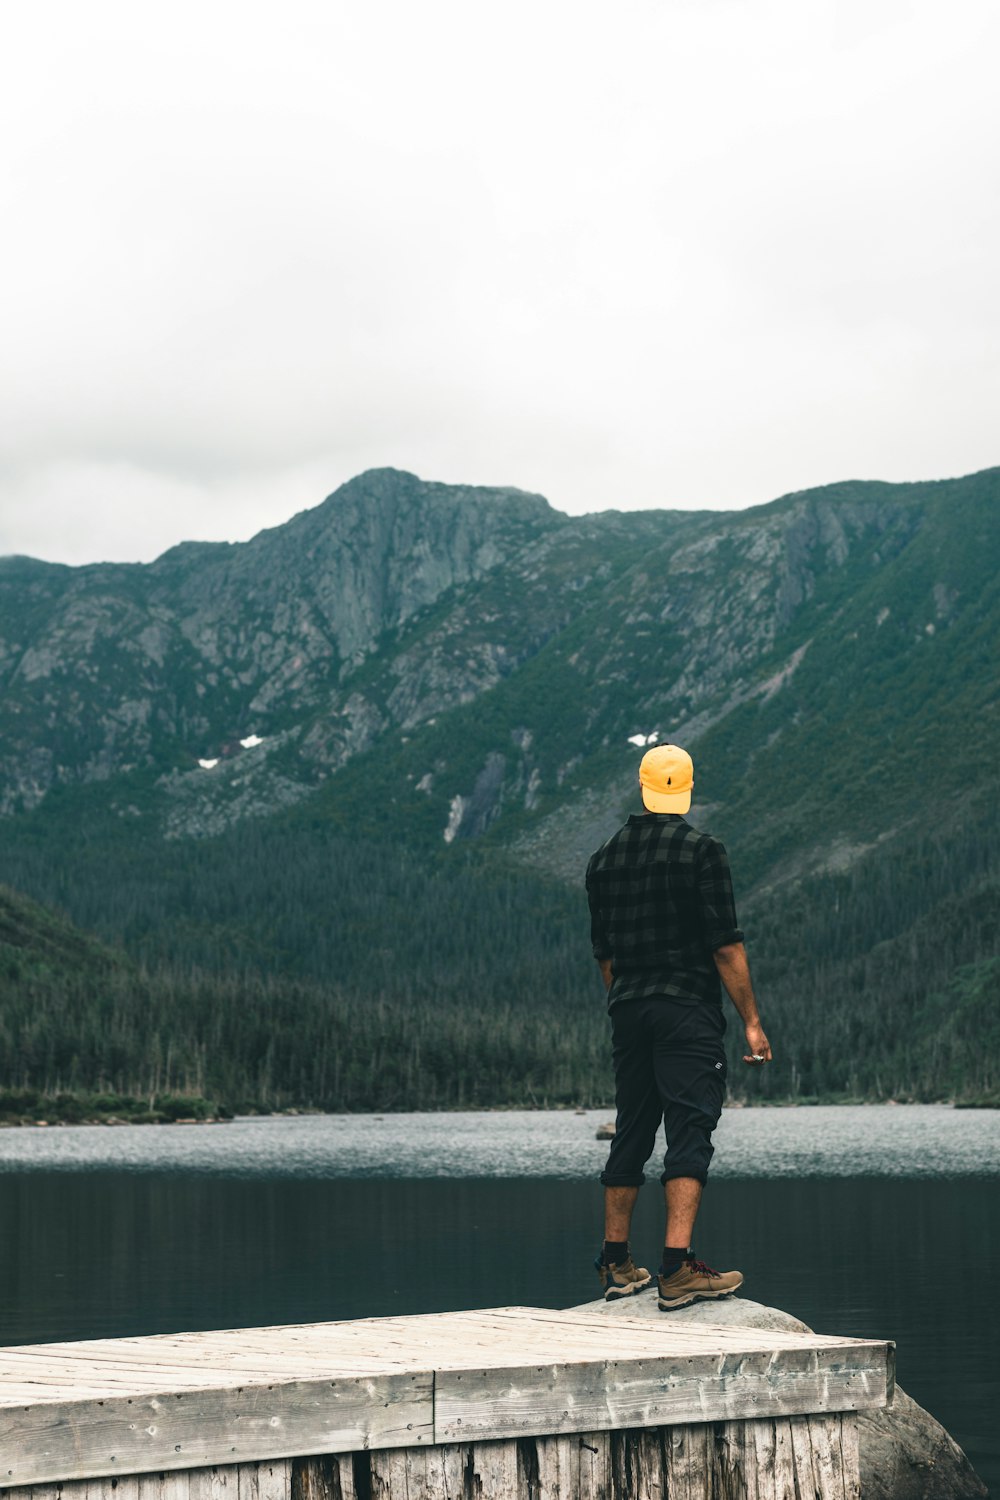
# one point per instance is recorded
(664, 932)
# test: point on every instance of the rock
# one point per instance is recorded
(740, 1312)
(607, 1131)
(905, 1453)
(472, 815)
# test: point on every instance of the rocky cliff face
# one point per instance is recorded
(505, 662)
(105, 669)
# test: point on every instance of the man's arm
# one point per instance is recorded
(734, 971)
(600, 946)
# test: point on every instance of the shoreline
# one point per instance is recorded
(113, 1120)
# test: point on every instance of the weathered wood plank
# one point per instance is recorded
(448, 1466)
(498, 1402)
(557, 1477)
(512, 1337)
(52, 1368)
(434, 1474)
(480, 1471)
(24, 1395)
(494, 1468)
(328, 1477)
(760, 1446)
(391, 1477)
(187, 1357)
(169, 1486)
(850, 1457)
(824, 1440)
(805, 1458)
(575, 1466)
(802, 1459)
(203, 1484)
(129, 1487)
(734, 1461)
(195, 1429)
(267, 1481)
(752, 1459)
(798, 1458)
(668, 1330)
(595, 1466)
(688, 1456)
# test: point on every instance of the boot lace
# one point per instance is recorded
(700, 1268)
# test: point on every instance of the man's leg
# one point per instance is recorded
(690, 1074)
(683, 1195)
(618, 1205)
(637, 1102)
(638, 1119)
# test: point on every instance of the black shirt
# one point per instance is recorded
(661, 902)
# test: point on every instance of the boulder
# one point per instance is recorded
(738, 1311)
(905, 1453)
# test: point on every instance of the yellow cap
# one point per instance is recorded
(666, 776)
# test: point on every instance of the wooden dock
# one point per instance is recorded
(510, 1403)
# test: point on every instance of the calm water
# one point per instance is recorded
(906, 1140)
(149, 1229)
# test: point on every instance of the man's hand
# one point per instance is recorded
(734, 971)
(760, 1047)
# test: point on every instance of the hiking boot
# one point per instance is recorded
(693, 1281)
(621, 1280)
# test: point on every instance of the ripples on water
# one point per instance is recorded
(906, 1140)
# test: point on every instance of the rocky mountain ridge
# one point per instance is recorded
(475, 663)
(172, 661)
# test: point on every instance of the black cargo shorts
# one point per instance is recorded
(670, 1065)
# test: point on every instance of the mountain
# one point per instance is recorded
(112, 667)
(488, 661)
(465, 677)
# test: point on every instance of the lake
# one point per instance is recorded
(878, 1221)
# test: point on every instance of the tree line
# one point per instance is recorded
(270, 968)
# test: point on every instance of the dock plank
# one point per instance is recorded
(711, 1387)
(265, 1481)
(189, 1429)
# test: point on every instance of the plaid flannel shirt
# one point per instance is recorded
(661, 902)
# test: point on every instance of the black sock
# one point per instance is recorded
(615, 1252)
(673, 1258)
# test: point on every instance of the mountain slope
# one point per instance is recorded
(455, 682)
(789, 648)
(475, 638)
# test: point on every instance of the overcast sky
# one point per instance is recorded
(680, 253)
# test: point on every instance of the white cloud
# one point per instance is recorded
(668, 253)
